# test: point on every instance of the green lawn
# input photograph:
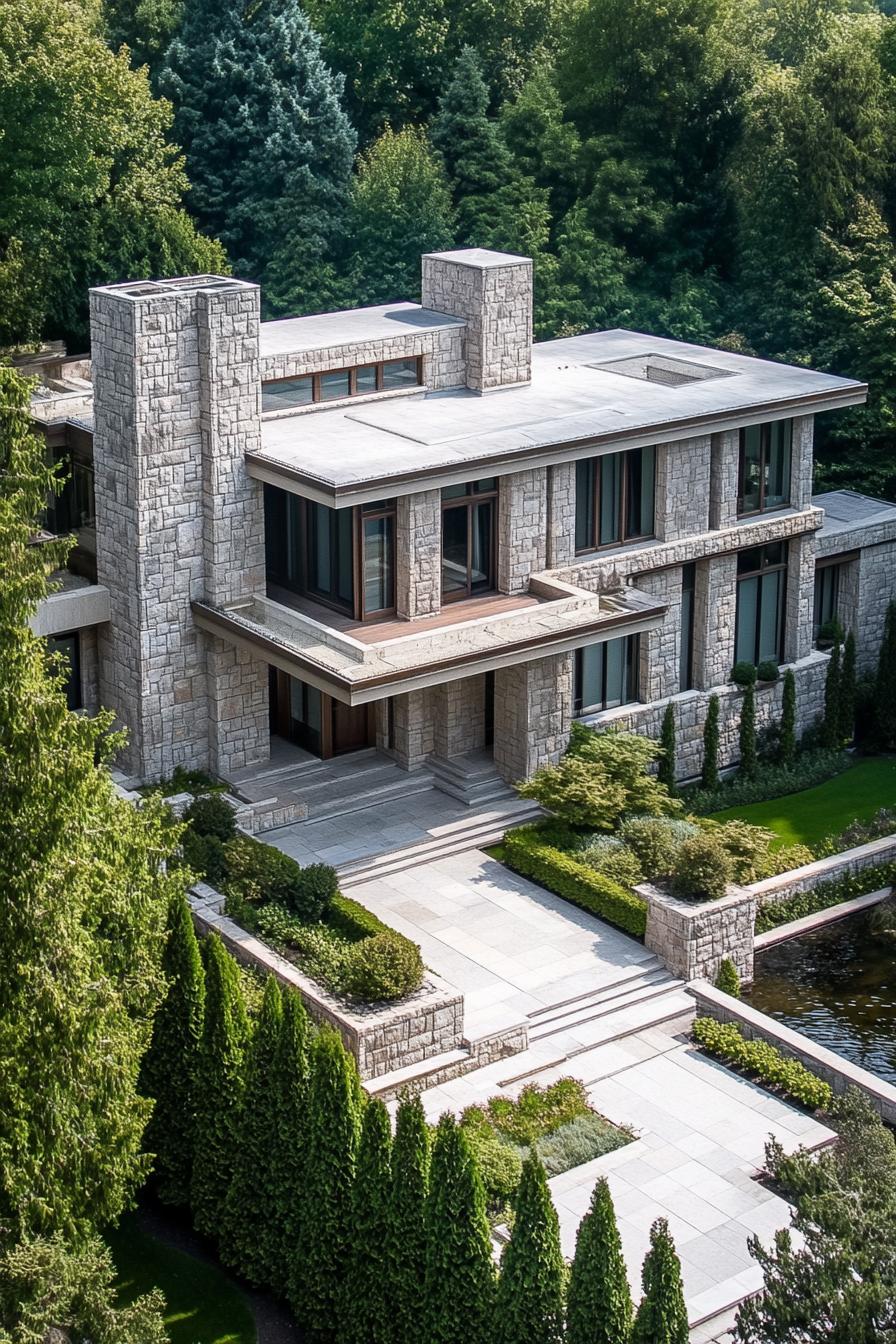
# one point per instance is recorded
(806, 818)
(204, 1306)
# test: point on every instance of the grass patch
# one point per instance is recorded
(495, 852)
(203, 1305)
(808, 817)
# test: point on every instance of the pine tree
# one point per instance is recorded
(885, 683)
(289, 1104)
(366, 1315)
(666, 767)
(400, 208)
(787, 745)
(319, 1260)
(599, 1304)
(709, 777)
(830, 730)
(662, 1316)
(459, 1284)
(847, 707)
(247, 1212)
(169, 1067)
(219, 1088)
(747, 731)
(529, 1302)
(267, 144)
(727, 979)
(407, 1229)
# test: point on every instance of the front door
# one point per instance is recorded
(314, 720)
(351, 728)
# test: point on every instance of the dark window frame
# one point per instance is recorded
(632, 673)
(625, 538)
(470, 499)
(765, 437)
(760, 571)
(352, 370)
(688, 621)
(74, 687)
(826, 570)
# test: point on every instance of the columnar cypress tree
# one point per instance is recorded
(885, 683)
(459, 1284)
(169, 1066)
(788, 718)
(662, 1316)
(847, 707)
(247, 1215)
(319, 1262)
(666, 768)
(529, 1303)
(407, 1230)
(289, 1103)
(709, 777)
(831, 724)
(747, 731)
(598, 1303)
(219, 1086)
(366, 1313)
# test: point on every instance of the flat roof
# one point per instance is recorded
(587, 393)
(293, 335)
(847, 510)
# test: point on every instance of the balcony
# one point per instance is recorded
(360, 664)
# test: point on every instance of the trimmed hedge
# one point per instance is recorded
(526, 852)
(838, 889)
(762, 1061)
(769, 781)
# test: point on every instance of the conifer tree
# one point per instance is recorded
(830, 730)
(662, 1317)
(289, 1104)
(666, 767)
(247, 1212)
(885, 683)
(709, 777)
(267, 142)
(787, 746)
(219, 1088)
(407, 1230)
(459, 1284)
(320, 1258)
(599, 1304)
(747, 731)
(169, 1066)
(529, 1301)
(366, 1315)
(847, 707)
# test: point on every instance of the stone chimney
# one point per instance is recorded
(492, 292)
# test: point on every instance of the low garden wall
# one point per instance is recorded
(838, 1072)
(693, 939)
(810, 875)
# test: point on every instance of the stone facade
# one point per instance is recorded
(682, 489)
(418, 555)
(492, 292)
(458, 716)
(522, 528)
(561, 514)
(533, 711)
(693, 939)
(442, 349)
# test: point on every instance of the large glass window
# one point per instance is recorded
(827, 591)
(378, 556)
(468, 539)
(615, 498)
(606, 675)
(70, 648)
(285, 394)
(764, 470)
(686, 649)
(761, 596)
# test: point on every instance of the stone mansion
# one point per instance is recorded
(408, 528)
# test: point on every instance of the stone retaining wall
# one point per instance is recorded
(811, 875)
(693, 939)
(833, 1068)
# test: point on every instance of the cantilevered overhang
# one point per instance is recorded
(563, 618)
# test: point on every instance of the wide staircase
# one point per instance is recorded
(338, 787)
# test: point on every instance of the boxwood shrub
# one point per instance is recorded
(382, 968)
(762, 1061)
(526, 852)
(838, 889)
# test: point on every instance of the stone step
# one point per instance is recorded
(607, 987)
(330, 798)
(472, 780)
(476, 833)
(417, 1077)
(593, 1012)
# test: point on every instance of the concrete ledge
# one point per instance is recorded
(817, 921)
(823, 870)
(825, 1064)
(73, 609)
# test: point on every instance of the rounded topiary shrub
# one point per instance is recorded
(257, 872)
(655, 841)
(384, 967)
(743, 674)
(210, 815)
(317, 885)
(703, 869)
(608, 855)
(768, 670)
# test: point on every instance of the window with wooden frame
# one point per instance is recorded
(763, 480)
(761, 602)
(386, 375)
(615, 499)
(469, 542)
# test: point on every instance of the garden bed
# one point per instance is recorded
(762, 1062)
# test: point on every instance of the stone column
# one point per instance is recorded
(723, 478)
(800, 600)
(801, 461)
(681, 507)
(715, 611)
(412, 729)
(533, 712)
(561, 520)
(661, 649)
(418, 554)
(492, 292)
(522, 528)
(458, 716)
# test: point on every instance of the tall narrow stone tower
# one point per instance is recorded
(492, 291)
(177, 404)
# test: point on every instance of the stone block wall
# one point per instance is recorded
(801, 461)
(533, 711)
(800, 599)
(412, 729)
(492, 292)
(522, 528)
(418, 554)
(715, 613)
(682, 488)
(442, 348)
(238, 725)
(458, 714)
(807, 878)
(692, 940)
(876, 589)
(723, 478)
(661, 648)
(561, 514)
